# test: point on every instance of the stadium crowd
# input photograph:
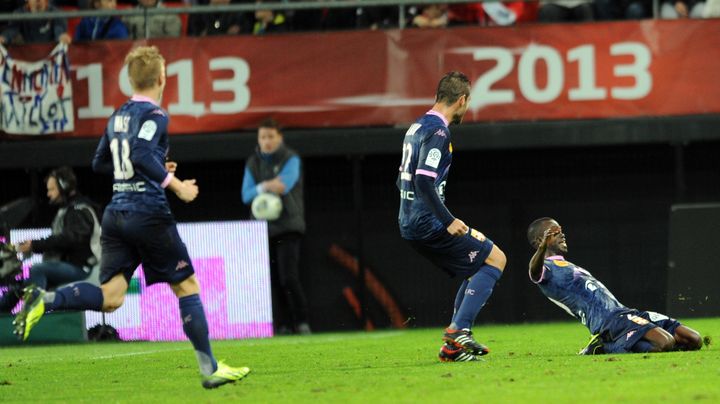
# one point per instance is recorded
(262, 22)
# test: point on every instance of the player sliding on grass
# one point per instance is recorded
(614, 327)
(432, 230)
(137, 226)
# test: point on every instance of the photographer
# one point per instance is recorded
(73, 249)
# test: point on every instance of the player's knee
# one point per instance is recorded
(695, 343)
(189, 286)
(692, 341)
(664, 344)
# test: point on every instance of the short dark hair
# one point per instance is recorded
(536, 229)
(451, 87)
(270, 123)
(66, 179)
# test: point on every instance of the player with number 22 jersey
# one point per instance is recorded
(432, 230)
(426, 151)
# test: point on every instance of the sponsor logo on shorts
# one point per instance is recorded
(637, 320)
(181, 264)
(477, 234)
(472, 255)
(629, 335)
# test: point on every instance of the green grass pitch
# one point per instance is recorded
(528, 363)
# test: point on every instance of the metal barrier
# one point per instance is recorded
(282, 6)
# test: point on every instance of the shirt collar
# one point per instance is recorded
(142, 98)
(439, 115)
(556, 257)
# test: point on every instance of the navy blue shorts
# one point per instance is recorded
(627, 327)
(458, 256)
(132, 238)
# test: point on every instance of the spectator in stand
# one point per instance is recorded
(209, 24)
(566, 11)
(269, 21)
(104, 27)
(493, 13)
(36, 31)
(431, 16)
(672, 10)
(157, 26)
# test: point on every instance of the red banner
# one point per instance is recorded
(377, 78)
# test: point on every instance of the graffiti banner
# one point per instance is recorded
(36, 96)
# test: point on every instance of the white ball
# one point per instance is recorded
(266, 206)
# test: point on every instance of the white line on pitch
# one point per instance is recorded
(138, 353)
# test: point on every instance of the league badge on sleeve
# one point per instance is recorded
(433, 158)
(148, 129)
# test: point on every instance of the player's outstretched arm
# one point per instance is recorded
(186, 190)
(538, 259)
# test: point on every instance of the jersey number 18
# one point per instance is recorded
(123, 168)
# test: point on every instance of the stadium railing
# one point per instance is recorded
(402, 5)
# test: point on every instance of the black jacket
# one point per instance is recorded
(75, 235)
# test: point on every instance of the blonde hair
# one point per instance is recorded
(145, 64)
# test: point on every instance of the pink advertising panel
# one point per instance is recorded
(232, 265)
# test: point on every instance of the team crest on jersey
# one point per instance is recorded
(433, 158)
(561, 263)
